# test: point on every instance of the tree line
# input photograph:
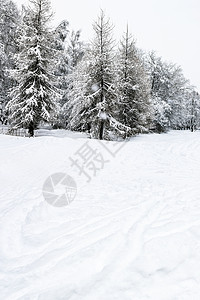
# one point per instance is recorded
(110, 90)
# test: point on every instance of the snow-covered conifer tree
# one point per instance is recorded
(133, 88)
(73, 53)
(70, 52)
(61, 69)
(9, 19)
(93, 93)
(33, 100)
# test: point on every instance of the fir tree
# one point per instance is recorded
(33, 100)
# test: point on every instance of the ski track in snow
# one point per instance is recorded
(132, 233)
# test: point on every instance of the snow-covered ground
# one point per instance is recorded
(131, 233)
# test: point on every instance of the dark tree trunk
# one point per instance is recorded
(101, 130)
(31, 129)
(88, 127)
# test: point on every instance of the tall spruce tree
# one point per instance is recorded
(33, 99)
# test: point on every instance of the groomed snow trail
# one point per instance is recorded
(132, 232)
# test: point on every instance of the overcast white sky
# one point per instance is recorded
(170, 27)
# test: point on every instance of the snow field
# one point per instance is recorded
(132, 232)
